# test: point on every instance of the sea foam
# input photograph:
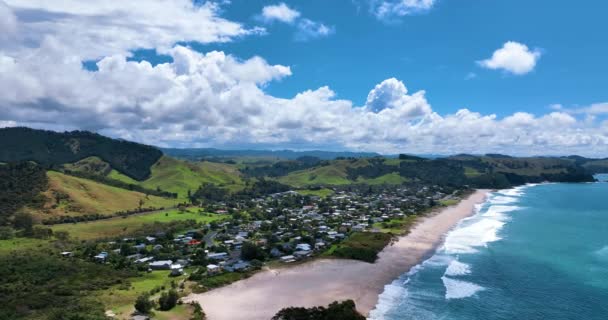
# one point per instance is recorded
(457, 268)
(457, 289)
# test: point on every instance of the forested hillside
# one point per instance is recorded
(49, 148)
(20, 184)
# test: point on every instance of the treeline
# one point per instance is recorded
(50, 149)
(497, 173)
(120, 184)
(345, 310)
(21, 184)
(36, 285)
(283, 168)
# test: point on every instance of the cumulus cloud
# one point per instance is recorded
(217, 99)
(94, 29)
(390, 9)
(513, 57)
(280, 12)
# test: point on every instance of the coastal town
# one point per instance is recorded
(282, 228)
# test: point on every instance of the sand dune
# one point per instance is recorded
(322, 281)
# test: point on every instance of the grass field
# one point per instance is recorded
(333, 174)
(21, 244)
(119, 226)
(400, 226)
(69, 195)
(391, 178)
(324, 192)
(121, 300)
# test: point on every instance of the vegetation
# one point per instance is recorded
(344, 310)
(220, 280)
(72, 196)
(122, 226)
(143, 303)
(168, 300)
(363, 246)
(49, 148)
(45, 286)
(180, 177)
(20, 185)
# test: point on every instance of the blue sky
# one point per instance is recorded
(437, 49)
(417, 76)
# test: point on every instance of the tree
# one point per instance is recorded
(250, 251)
(6, 233)
(143, 303)
(25, 222)
(168, 300)
(41, 232)
(344, 310)
(62, 235)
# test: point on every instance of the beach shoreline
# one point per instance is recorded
(322, 281)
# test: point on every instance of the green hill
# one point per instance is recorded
(179, 176)
(72, 196)
(50, 149)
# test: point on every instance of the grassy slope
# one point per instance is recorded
(119, 226)
(333, 174)
(87, 196)
(179, 176)
(336, 174)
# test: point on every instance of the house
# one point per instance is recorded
(66, 254)
(101, 257)
(213, 269)
(144, 260)
(303, 247)
(161, 265)
(151, 239)
(176, 270)
(288, 259)
(217, 256)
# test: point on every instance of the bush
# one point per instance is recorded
(168, 300)
(143, 303)
(335, 311)
(6, 233)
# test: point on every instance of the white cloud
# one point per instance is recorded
(513, 57)
(280, 12)
(216, 99)
(308, 29)
(94, 29)
(390, 9)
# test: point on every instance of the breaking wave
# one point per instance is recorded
(458, 289)
(467, 237)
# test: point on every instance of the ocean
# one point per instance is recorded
(532, 252)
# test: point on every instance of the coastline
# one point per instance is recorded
(323, 281)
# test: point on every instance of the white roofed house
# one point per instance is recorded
(213, 269)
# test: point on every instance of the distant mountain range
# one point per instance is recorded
(205, 153)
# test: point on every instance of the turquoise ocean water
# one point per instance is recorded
(532, 252)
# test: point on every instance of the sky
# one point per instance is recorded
(389, 76)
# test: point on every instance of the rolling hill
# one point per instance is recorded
(50, 149)
(72, 196)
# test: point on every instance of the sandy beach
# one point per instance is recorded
(323, 281)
